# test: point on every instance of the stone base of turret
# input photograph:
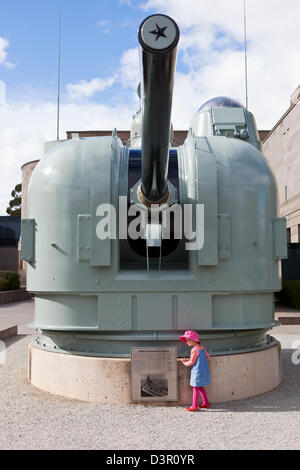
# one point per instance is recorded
(108, 380)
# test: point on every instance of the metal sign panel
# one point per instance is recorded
(208, 195)
(28, 240)
(100, 251)
(228, 115)
(280, 238)
(154, 374)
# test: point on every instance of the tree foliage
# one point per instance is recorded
(15, 203)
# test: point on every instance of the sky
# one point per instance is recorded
(100, 66)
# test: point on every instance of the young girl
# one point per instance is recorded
(200, 375)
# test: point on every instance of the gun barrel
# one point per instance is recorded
(158, 36)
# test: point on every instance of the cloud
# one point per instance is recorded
(105, 26)
(211, 46)
(210, 63)
(127, 76)
(129, 68)
(4, 44)
(25, 127)
(85, 89)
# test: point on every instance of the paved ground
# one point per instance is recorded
(287, 315)
(31, 419)
(17, 313)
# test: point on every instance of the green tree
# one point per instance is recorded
(15, 203)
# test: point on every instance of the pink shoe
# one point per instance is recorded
(191, 408)
(204, 405)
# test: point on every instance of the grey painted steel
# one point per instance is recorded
(227, 120)
(96, 296)
(28, 240)
(118, 345)
(158, 33)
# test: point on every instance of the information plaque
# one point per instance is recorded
(154, 374)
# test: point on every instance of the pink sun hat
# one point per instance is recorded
(190, 334)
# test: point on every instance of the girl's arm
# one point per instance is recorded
(192, 359)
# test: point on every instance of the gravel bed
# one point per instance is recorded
(32, 419)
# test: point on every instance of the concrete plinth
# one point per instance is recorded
(107, 380)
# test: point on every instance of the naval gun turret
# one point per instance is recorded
(202, 254)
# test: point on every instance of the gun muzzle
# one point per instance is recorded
(158, 36)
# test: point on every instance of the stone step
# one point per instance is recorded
(8, 331)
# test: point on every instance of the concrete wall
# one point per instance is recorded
(27, 170)
(282, 149)
(10, 296)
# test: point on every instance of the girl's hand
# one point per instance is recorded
(183, 360)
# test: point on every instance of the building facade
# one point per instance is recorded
(10, 227)
(282, 149)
